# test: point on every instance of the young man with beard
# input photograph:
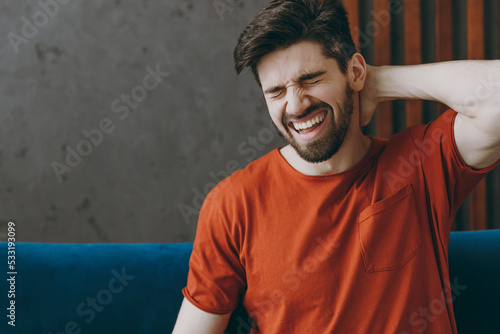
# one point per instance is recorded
(338, 232)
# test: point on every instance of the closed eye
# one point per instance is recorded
(276, 95)
(311, 78)
(312, 82)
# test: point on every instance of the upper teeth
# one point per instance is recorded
(308, 124)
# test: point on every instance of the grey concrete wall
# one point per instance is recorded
(93, 148)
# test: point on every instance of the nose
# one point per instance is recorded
(297, 102)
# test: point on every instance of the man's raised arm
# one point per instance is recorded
(192, 320)
(470, 87)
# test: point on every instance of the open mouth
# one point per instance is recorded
(309, 125)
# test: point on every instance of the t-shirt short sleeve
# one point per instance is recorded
(216, 278)
(449, 180)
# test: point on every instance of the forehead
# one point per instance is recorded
(283, 66)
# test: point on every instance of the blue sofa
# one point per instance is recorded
(136, 288)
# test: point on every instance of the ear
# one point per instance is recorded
(357, 72)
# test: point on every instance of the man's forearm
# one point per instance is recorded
(471, 87)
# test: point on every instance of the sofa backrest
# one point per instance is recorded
(136, 288)
(95, 288)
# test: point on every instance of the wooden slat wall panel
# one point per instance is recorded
(475, 50)
(491, 31)
(352, 7)
(382, 37)
(475, 29)
(413, 54)
(444, 37)
(429, 44)
(398, 58)
(444, 48)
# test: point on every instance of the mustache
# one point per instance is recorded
(312, 108)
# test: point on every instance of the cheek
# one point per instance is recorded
(327, 94)
(276, 111)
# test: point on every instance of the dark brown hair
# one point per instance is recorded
(283, 23)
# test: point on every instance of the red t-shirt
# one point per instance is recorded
(362, 251)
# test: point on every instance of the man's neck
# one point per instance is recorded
(352, 151)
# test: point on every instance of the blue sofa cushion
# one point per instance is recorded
(136, 288)
(475, 265)
(95, 288)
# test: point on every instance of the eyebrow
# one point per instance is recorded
(303, 77)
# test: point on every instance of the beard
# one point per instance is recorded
(329, 143)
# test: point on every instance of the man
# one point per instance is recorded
(338, 232)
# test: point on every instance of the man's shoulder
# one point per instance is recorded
(429, 134)
(257, 167)
(247, 178)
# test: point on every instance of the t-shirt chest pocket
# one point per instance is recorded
(389, 231)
